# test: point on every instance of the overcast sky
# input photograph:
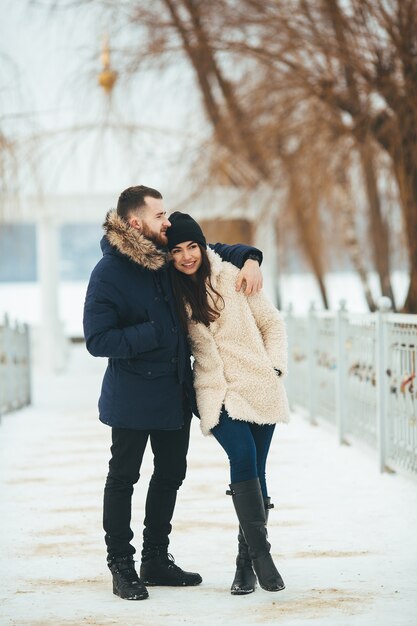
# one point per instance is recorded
(49, 66)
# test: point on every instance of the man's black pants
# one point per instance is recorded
(170, 449)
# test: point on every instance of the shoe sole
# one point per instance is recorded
(135, 597)
(272, 590)
(241, 592)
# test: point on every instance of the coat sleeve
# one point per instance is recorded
(272, 328)
(103, 335)
(236, 254)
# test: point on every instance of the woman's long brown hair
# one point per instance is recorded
(204, 308)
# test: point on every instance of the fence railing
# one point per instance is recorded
(14, 366)
(358, 373)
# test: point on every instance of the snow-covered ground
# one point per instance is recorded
(344, 536)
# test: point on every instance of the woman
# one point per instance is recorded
(240, 352)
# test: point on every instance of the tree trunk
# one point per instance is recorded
(307, 223)
(405, 169)
(379, 234)
(350, 236)
(231, 127)
(378, 229)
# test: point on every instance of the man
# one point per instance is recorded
(130, 317)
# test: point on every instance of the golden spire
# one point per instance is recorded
(107, 77)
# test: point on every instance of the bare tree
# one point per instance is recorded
(284, 83)
(359, 58)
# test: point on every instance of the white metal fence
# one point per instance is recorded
(358, 373)
(14, 366)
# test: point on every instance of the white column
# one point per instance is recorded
(51, 347)
(384, 306)
(342, 397)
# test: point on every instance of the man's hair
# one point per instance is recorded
(132, 199)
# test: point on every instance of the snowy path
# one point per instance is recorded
(344, 536)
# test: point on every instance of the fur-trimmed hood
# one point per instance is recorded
(131, 243)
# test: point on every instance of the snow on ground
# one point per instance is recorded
(344, 536)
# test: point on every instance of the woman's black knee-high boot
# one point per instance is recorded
(244, 581)
(250, 509)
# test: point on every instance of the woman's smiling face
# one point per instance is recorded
(187, 257)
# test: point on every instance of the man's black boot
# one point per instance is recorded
(158, 568)
(250, 510)
(244, 581)
(126, 582)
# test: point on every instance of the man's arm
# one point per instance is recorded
(237, 254)
(102, 331)
(248, 259)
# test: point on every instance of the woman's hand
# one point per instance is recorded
(249, 278)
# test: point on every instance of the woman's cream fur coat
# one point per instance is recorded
(236, 355)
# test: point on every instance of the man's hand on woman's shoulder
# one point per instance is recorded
(249, 279)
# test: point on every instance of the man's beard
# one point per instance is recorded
(157, 238)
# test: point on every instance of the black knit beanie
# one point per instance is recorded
(183, 228)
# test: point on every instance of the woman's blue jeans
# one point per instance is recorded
(247, 446)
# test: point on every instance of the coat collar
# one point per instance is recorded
(131, 243)
(215, 265)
